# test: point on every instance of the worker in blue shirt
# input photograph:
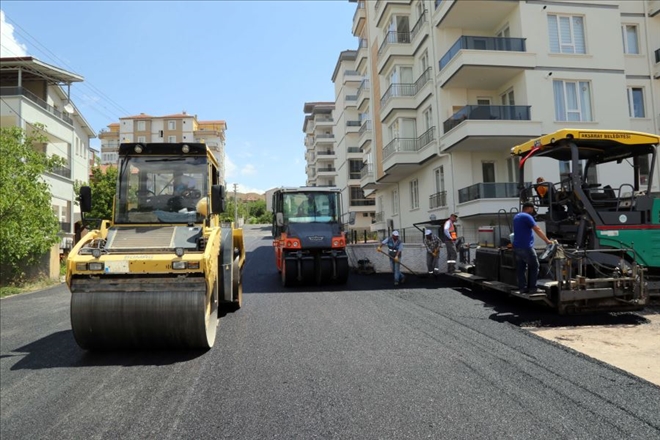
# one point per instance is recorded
(394, 248)
(527, 263)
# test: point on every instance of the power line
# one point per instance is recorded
(53, 56)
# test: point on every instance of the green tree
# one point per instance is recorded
(28, 228)
(103, 186)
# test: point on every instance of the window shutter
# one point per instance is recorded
(553, 33)
(578, 35)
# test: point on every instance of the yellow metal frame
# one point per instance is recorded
(586, 138)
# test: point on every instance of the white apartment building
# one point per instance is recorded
(319, 144)
(451, 85)
(180, 127)
(348, 162)
(34, 92)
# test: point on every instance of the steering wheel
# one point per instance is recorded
(144, 193)
(191, 194)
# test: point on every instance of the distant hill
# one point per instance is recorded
(247, 196)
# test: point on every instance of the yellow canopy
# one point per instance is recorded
(596, 139)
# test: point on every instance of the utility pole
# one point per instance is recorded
(235, 206)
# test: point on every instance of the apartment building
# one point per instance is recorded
(181, 127)
(451, 85)
(348, 162)
(34, 92)
(319, 144)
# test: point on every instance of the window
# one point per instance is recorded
(395, 202)
(508, 98)
(428, 119)
(171, 125)
(171, 139)
(488, 171)
(572, 100)
(439, 178)
(425, 61)
(512, 166)
(142, 139)
(414, 194)
(142, 126)
(636, 102)
(566, 33)
(630, 39)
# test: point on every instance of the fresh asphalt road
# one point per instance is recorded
(361, 361)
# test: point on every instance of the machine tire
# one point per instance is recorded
(323, 271)
(342, 270)
(288, 271)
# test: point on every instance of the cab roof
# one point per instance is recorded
(604, 145)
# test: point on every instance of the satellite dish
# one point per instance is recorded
(68, 108)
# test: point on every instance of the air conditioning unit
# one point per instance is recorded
(656, 74)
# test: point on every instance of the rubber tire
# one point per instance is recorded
(342, 270)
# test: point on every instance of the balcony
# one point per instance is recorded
(62, 171)
(438, 200)
(350, 100)
(653, 8)
(353, 126)
(324, 121)
(359, 18)
(485, 63)
(362, 53)
(366, 171)
(326, 155)
(418, 26)
(326, 172)
(402, 156)
(488, 113)
(352, 75)
(364, 133)
(488, 198)
(461, 14)
(22, 91)
(363, 93)
(394, 44)
(489, 128)
(405, 95)
(362, 202)
(324, 138)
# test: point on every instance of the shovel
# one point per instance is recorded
(409, 269)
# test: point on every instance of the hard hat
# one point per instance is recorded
(427, 232)
(395, 233)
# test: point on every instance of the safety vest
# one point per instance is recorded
(393, 247)
(452, 231)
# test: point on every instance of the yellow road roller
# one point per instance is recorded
(164, 269)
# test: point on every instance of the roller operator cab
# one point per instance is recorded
(309, 241)
(603, 212)
(163, 270)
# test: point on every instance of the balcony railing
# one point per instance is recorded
(323, 119)
(363, 43)
(366, 170)
(396, 90)
(362, 202)
(351, 97)
(366, 126)
(326, 170)
(409, 145)
(326, 153)
(364, 86)
(405, 89)
(360, 6)
(325, 136)
(491, 190)
(351, 73)
(489, 112)
(13, 91)
(353, 123)
(483, 43)
(394, 37)
(438, 200)
(657, 56)
(62, 171)
(418, 25)
(354, 150)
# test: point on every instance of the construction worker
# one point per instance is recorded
(432, 243)
(542, 190)
(449, 239)
(394, 248)
(527, 262)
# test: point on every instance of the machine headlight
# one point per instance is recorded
(193, 265)
(138, 149)
(95, 266)
(179, 252)
(81, 266)
(96, 253)
(179, 265)
(185, 148)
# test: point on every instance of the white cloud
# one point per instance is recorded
(246, 189)
(230, 168)
(9, 46)
(248, 170)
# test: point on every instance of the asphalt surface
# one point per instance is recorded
(427, 359)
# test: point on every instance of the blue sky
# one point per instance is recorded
(252, 63)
